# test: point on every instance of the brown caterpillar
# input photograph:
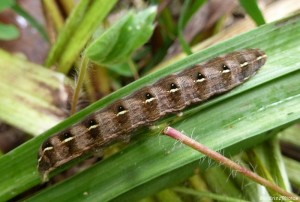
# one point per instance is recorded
(170, 94)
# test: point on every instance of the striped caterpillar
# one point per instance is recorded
(170, 94)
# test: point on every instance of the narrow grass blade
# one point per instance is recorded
(252, 9)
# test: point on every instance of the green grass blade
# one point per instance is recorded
(4, 4)
(8, 32)
(80, 26)
(266, 160)
(293, 168)
(181, 24)
(232, 122)
(252, 9)
(207, 194)
(67, 32)
(188, 10)
(33, 22)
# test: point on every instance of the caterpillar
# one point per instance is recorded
(170, 94)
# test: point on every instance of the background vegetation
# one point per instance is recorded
(108, 49)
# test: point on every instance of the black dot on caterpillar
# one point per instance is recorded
(200, 77)
(92, 122)
(65, 136)
(121, 110)
(173, 88)
(225, 69)
(47, 145)
(148, 96)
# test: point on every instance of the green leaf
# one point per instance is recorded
(122, 69)
(118, 43)
(9, 32)
(4, 4)
(100, 49)
(233, 122)
(80, 26)
(253, 10)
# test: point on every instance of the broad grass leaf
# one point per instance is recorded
(8, 32)
(100, 49)
(117, 44)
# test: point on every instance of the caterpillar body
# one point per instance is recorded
(170, 94)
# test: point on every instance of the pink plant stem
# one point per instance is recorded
(171, 132)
